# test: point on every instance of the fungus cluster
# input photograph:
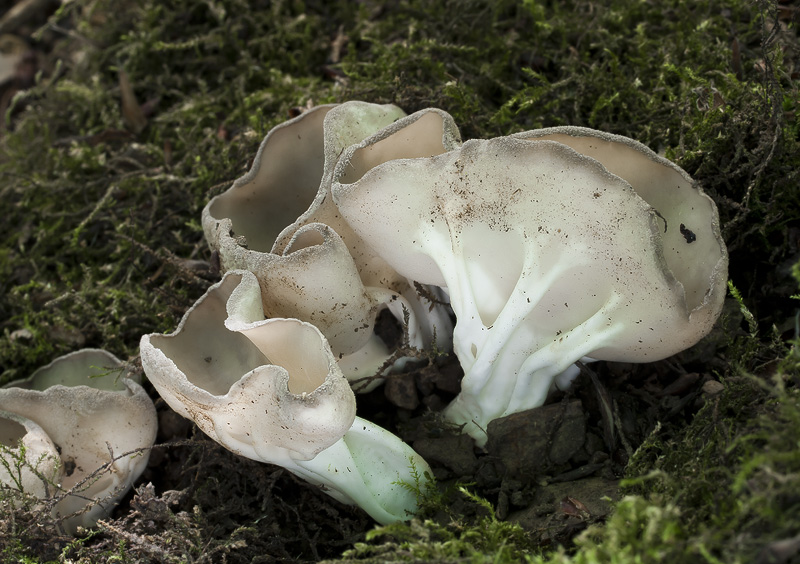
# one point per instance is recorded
(279, 222)
(523, 253)
(264, 362)
(548, 246)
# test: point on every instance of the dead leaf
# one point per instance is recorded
(575, 508)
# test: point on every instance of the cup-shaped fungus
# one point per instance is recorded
(547, 256)
(279, 222)
(271, 390)
(102, 425)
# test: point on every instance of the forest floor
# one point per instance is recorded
(122, 119)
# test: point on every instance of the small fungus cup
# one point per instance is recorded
(271, 390)
(97, 425)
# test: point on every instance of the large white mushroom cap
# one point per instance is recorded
(547, 256)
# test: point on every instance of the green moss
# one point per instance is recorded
(100, 223)
(479, 538)
(734, 471)
(640, 530)
(100, 220)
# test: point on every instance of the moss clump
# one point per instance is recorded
(474, 535)
(733, 474)
(102, 222)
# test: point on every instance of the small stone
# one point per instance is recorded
(520, 499)
(530, 442)
(434, 403)
(489, 473)
(501, 511)
(713, 388)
